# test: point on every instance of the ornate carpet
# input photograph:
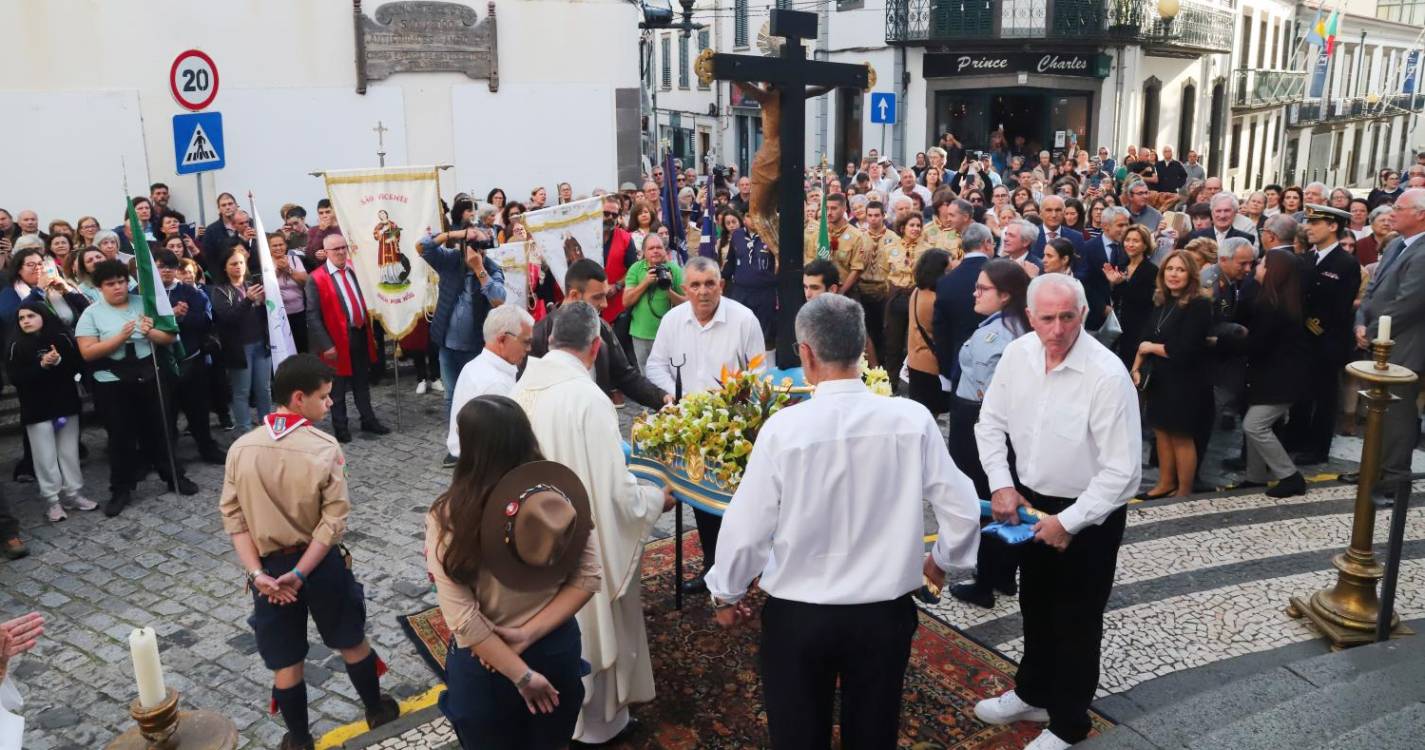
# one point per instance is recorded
(709, 692)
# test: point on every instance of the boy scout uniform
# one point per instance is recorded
(848, 249)
(945, 238)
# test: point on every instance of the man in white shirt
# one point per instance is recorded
(835, 485)
(695, 342)
(1067, 405)
(508, 332)
(908, 187)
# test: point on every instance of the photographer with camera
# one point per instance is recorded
(652, 287)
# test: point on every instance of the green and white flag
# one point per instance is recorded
(155, 298)
(279, 330)
(823, 237)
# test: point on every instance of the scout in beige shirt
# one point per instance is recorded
(284, 504)
(849, 248)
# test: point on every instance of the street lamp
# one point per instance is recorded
(1168, 9)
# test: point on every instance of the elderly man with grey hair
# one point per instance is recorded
(695, 341)
(848, 542)
(1224, 214)
(576, 425)
(508, 330)
(1017, 240)
(954, 317)
(1279, 233)
(1066, 404)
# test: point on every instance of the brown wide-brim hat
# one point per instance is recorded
(535, 526)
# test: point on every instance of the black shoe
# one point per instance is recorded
(694, 586)
(343, 434)
(290, 744)
(14, 548)
(1008, 588)
(1246, 484)
(226, 423)
(1148, 495)
(1310, 459)
(1290, 487)
(1235, 463)
(185, 486)
(383, 714)
(23, 474)
(974, 593)
(448, 462)
(212, 454)
(375, 428)
(117, 502)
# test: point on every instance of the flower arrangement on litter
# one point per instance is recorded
(708, 435)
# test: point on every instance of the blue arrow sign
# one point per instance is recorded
(883, 108)
(198, 142)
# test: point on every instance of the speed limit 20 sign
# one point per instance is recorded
(193, 79)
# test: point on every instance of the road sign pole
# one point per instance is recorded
(202, 210)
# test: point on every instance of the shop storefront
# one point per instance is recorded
(1047, 98)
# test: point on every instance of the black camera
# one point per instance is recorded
(662, 277)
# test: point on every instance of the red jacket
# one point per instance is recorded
(616, 266)
(334, 320)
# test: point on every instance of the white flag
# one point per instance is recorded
(568, 232)
(279, 330)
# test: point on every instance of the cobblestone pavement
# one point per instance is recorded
(166, 562)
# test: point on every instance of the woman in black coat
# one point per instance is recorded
(1277, 354)
(242, 328)
(43, 361)
(1171, 368)
(1133, 290)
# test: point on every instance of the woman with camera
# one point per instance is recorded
(652, 287)
(242, 327)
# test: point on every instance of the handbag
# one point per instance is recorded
(1145, 374)
(1108, 333)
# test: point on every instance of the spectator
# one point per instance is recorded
(241, 319)
(955, 317)
(926, 384)
(1172, 175)
(1135, 199)
(508, 336)
(291, 281)
(1060, 257)
(88, 227)
(32, 280)
(1133, 289)
(1191, 168)
(43, 362)
(316, 236)
(84, 270)
(1360, 214)
(120, 342)
(1368, 248)
(337, 329)
(1169, 369)
(193, 388)
(1276, 356)
(470, 286)
(652, 287)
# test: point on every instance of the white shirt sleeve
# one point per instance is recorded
(1115, 430)
(745, 541)
(992, 431)
(659, 369)
(952, 498)
(464, 391)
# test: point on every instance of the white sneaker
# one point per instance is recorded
(79, 502)
(437, 386)
(1007, 709)
(1047, 740)
(56, 513)
(421, 388)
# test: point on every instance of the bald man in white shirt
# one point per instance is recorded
(836, 486)
(1069, 408)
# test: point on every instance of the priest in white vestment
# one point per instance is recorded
(577, 426)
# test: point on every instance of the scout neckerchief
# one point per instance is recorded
(281, 424)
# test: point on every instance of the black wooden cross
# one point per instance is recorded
(790, 74)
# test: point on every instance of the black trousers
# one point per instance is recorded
(895, 322)
(808, 648)
(964, 451)
(359, 384)
(708, 527)
(9, 524)
(191, 394)
(874, 306)
(1062, 596)
(298, 323)
(1315, 417)
(136, 431)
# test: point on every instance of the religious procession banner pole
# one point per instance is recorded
(775, 208)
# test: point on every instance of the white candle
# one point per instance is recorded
(148, 671)
(1384, 334)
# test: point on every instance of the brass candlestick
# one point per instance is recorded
(164, 727)
(1347, 613)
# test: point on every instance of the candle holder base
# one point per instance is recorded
(1340, 635)
(164, 727)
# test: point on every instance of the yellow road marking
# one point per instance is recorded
(336, 737)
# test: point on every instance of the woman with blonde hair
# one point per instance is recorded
(1171, 369)
(1203, 250)
(1171, 234)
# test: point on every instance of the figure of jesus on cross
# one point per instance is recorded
(774, 210)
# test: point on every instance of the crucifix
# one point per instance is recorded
(774, 208)
(381, 131)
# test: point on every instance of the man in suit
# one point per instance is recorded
(1093, 255)
(1051, 211)
(1224, 212)
(216, 236)
(339, 331)
(955, 317)
(1398, 290)
(1333, 278)
(1171, 174)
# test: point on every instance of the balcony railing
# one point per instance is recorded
(1352, 108)
(1264, 88)
(1200, 26)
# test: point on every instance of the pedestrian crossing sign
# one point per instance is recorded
(198, 142)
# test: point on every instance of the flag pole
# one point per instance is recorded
(132, 220)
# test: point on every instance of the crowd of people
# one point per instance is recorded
(1216, 309)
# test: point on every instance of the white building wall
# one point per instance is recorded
(287, 94)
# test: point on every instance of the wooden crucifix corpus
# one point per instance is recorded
(774, 209)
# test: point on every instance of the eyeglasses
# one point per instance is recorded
(336, 247)
(31, 264)
(984, 288)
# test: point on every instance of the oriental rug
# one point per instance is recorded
(709, 692)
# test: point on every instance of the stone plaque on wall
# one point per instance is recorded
(421, 36)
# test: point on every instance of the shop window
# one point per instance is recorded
(1152, 90)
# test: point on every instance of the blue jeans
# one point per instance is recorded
(452, 361)
(252, 386)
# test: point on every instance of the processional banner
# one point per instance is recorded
(383, 213)
(568, 232)
(514, 259)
